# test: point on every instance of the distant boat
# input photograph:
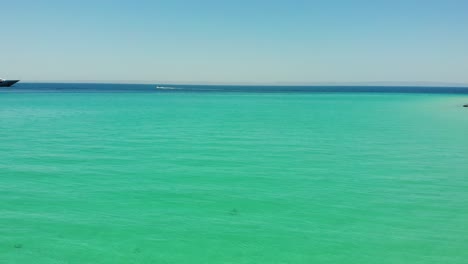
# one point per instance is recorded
(166, 88)
(7, 83)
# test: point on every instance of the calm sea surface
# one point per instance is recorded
(212, 174)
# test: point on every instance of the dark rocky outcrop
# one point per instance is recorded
(466, 105)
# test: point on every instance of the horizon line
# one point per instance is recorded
(155, 82)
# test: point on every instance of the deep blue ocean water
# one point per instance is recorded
(105, 87)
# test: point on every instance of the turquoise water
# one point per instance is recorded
(233, 178)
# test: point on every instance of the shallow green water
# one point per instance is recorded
(233, 178)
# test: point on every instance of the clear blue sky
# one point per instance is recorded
(235, 41)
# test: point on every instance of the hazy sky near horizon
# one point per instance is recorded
(235, 41)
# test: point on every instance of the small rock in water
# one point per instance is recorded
(465, 105)
(233, 212)
(18, 245)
